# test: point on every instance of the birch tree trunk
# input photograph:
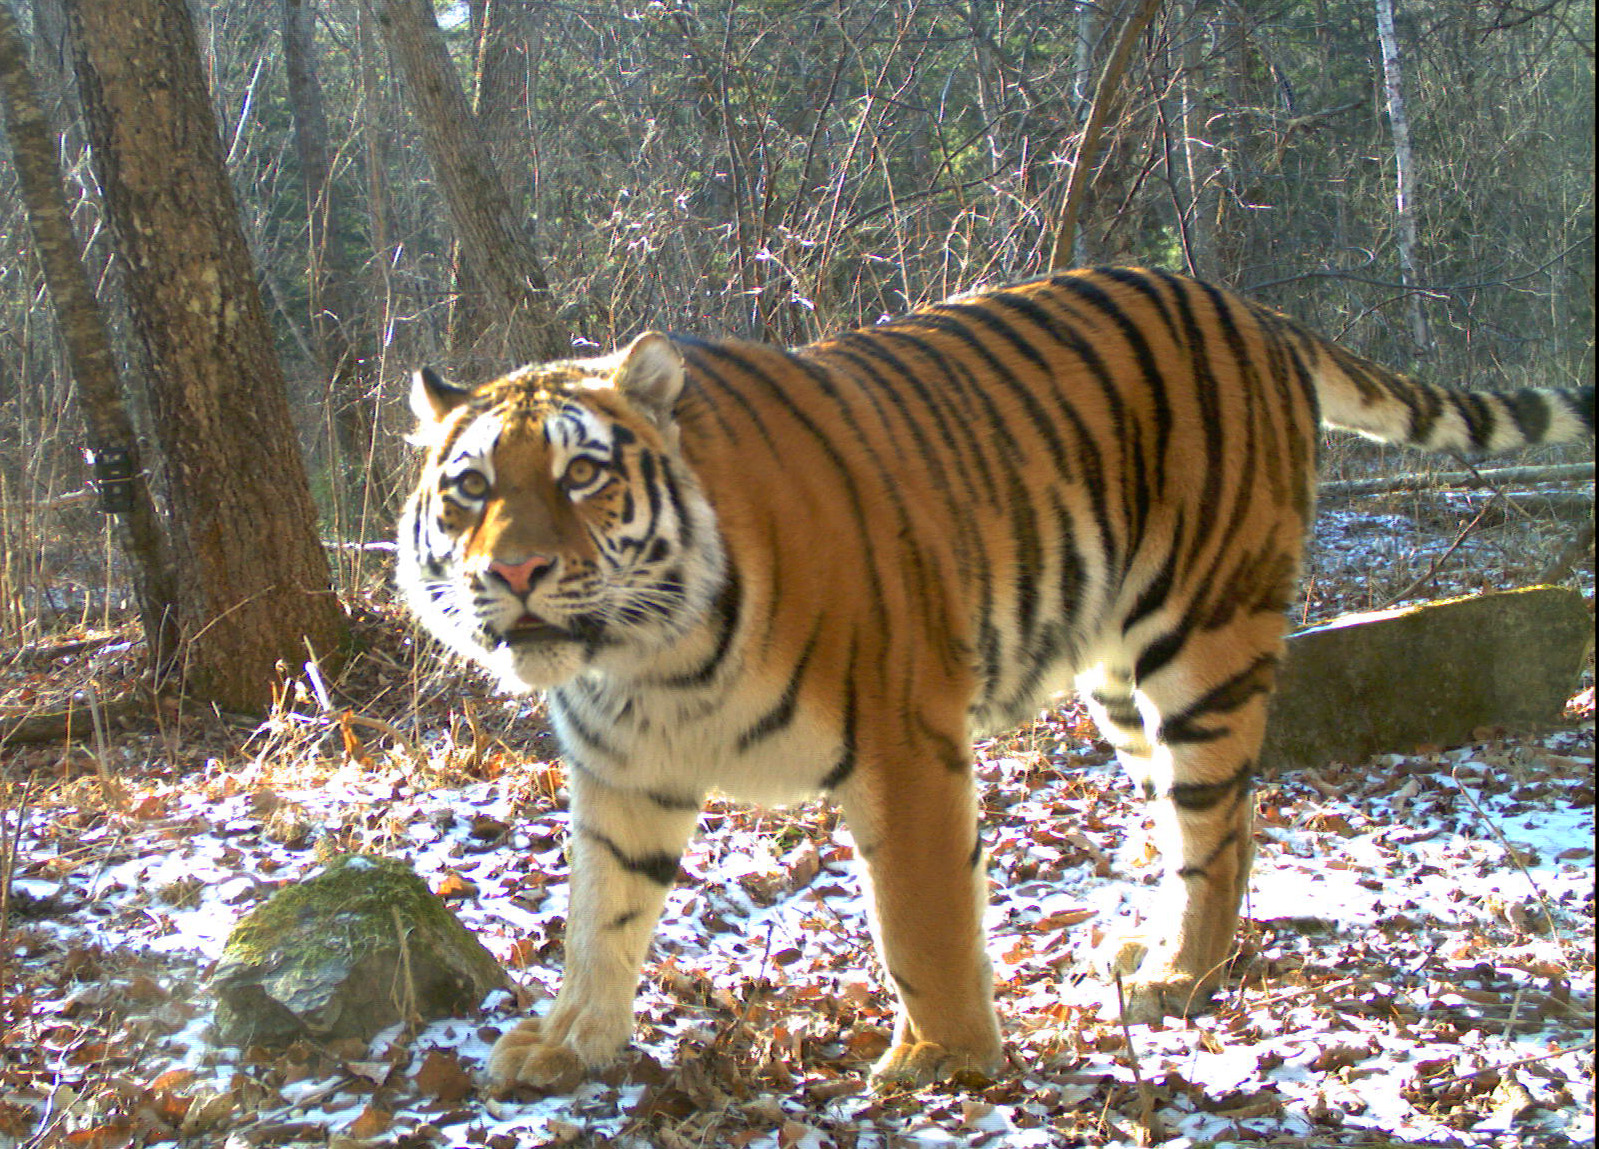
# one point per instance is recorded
(251, 576)
(1404, 172)
(494, 243)
(83, 335)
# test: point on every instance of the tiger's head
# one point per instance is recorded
(556, 527)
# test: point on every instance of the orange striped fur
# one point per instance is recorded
(774, 572)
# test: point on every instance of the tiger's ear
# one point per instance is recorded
(432, 398)
(650, 375)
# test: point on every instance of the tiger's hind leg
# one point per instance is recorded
(1189, 734)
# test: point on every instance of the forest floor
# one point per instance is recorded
(1417, 961)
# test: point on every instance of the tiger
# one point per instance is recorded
(774, 573)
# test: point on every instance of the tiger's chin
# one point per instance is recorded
(528, 664)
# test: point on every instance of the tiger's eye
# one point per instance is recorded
(580, 472)
(472, 484)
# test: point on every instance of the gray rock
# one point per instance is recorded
(1388, 681)
(357, 948)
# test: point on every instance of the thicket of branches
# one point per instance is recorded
(772, 170)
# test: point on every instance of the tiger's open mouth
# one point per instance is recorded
(530, 630)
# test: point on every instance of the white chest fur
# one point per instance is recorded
(685, 743)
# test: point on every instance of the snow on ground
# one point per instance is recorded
(1417, 966)
(1416, 963)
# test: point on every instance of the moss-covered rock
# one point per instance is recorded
(360, 946)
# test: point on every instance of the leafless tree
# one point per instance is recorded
(341, 331)
(1404, 170)
(251, 579)
(494, 243)
(88, 345)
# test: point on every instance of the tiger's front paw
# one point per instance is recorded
(550, 1056)
(525, 1057)
(913, 1064)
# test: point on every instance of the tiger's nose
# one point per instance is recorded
(521, 576)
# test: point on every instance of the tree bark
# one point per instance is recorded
(336, 319)
(1404, 172)
(375, 137)
(251, 575)
(84, 335)
(1199, 166)
(494, 244)
(497, 110)
(500, 90)
(1105, 94)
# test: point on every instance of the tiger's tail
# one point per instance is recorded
(1359, 396)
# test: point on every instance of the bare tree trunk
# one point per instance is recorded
(500, 102)
(494, 243)
(375, 148)
(84, 336)
(251, 575)
(336, 320)
(500, 94)
(1199, 168)
(494, 105)
(1244, 235)
(1404, 171)
(1088, 150)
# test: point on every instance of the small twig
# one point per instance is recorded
(1515, 854)
(475, 763)
(1127, 1033)
(383, 727)
(107, 855)
(758, 985)
(1510, 1065)
(10, 847)
(1574, 550)
(313, 675)
(308, 1101)
(1441, 559)
(756, 992)
(403, 995)
(1147, 1121)
(108, 787)
(1416, 482)
(1302, 990)
(1515, 1011)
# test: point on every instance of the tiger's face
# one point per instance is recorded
(555, 527)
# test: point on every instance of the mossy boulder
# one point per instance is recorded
(1388, 681)
(360, 946)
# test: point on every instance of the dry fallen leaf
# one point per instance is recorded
(377, 1072)
(371, 1122)
(442, 1077)
(1336, 1057)
(453, 885)
(792, 1133)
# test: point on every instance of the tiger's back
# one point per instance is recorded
(1020, 477)
(825, 568)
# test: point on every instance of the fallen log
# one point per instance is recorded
(1421, 480)
(24, 727)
